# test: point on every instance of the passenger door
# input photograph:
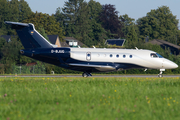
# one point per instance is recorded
(88, 56)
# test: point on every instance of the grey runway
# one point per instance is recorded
(140, 76)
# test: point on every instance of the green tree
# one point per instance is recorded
(127, 23)
(19, 10)
(2, 43)
(14, 13)
(83, 27)
(48, 23)
(70, 13)
(4, 16)
(43, 33)
(24, 10)
(75, 19)
(71, 10)
(126, 20)
(98, 33)
(131, 35)
(81, 20)
(178, 37)
(159, 24)
(60, 18)
(130, 30)
(13, 10)
(110, 21)
(95, 10)
(10, 54)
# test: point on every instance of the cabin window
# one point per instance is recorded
(124, 56)
(117, 56)
(153, 55)
(111, 55)
(130, 56)
(88, 55)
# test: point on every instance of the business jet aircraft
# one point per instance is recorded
(87, 60)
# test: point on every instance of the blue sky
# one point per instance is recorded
(134, 8)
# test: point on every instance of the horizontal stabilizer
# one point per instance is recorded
(16, 25)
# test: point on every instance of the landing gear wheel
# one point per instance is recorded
(85, 75)
(160, 75)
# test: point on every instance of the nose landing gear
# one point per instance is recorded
(85, 74)
(161, 71)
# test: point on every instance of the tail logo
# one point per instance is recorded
(32, 32)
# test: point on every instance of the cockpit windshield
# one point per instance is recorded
(155, 55)
(159, 55)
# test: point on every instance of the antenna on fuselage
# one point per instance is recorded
(94, 47)
(136, 48)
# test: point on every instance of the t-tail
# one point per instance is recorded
(29, 37)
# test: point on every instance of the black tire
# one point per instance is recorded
(84, 75)
(160, 75)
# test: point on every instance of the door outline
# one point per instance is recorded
(88, 56)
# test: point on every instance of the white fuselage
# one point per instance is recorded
(131, 56)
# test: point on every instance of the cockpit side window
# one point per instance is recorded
(153, 55)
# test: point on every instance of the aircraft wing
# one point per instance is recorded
(98, 67)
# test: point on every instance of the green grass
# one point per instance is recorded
(89, 98)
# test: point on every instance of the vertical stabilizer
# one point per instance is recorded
(29, 37)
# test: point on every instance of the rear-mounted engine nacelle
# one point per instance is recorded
(22, 51)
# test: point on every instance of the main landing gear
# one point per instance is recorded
(85, 74)
(161, 71)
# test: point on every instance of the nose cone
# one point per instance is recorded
(174, 65)
(167, 64)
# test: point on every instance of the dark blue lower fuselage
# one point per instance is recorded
(61, 57)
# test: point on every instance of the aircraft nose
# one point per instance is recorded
(175, 65)
(167, 64)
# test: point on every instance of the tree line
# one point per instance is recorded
(92, 24)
